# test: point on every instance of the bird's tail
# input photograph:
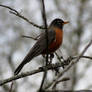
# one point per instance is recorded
(19, 68)
(32, 53)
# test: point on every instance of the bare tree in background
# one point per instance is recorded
(13, 48)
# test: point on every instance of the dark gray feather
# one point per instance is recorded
(40, 45)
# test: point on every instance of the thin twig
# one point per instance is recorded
(61, 80)
(11, 87)
(24, 36)
(46, 28)
(72, 63)
(67, 90)
(46, 31)
(59, 58)
(87, 57)
(15, 12)
(42, 69)
(22, 75)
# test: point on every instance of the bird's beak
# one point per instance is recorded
(66, 22)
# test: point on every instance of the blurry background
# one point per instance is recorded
(13, 47)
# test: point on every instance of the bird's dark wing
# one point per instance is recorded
(37, 49)
(40, 45)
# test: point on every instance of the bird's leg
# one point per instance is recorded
(57, 71)
(62, 58)
(51, 57)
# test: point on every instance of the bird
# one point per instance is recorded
(55, 39)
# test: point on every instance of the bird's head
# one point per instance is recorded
(58, 23)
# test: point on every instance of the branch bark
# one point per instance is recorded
(46, 32)
(41, 69)
(15, 12)
(70, 65)
(67, 91)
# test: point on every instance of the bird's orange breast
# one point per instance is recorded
(57, 42)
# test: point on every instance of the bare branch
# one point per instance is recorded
(24, 36)
(87, 57)
(71, 64)
(41, 69)
(46, 32)
(59, 58)
(15, 12)
(62, 80)
(67, 91)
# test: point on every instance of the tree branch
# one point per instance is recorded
(41, 69)
(71, 64)
(24, 36)
(67, 91)
(46, 32)
(59, 81)
(15, 12)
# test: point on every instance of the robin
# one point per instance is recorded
(55, 38)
